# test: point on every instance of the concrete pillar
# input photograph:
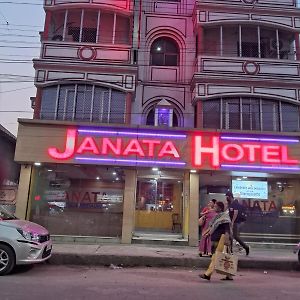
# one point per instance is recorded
(128, 108)
(129, 206)
(199, 116)
(185, 204)
(23, 191)
(194, 209)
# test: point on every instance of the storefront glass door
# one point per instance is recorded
(159, 202)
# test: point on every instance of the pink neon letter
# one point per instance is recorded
(168, 149)
(284, 157)
(116, 149)
(251, 151)
(199, 150)
(69, 148)
(270, 154)
(151, 145)
(134, 148)
(88, 144)
(239, 152)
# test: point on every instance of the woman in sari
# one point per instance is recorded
(207, 214)
(220, 233)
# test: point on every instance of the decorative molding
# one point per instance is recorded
(217, 16)
(87, 53)
(251, 67)
(240, 66)
(125, 82)
(209, 90)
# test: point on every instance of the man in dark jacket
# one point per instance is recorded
(235, 213)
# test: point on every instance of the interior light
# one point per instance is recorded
(154, 169)
(98, 178)
(114, 173)
(117, 178)
(158, 48)
(37, 164)
(239, 179)
(49, 170)
(245, 177)
(193, 171)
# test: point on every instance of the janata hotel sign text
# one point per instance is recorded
(177, 149)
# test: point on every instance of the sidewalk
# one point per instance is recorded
(165, 256)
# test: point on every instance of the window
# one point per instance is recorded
(211, 114)
(164, 52)
(249, 41)
(245, 113)
(163, 114)
(89, 26)
(83, 102)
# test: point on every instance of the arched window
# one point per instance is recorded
(164, 52)
(249, 113)
(163, 114)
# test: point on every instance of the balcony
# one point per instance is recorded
(124, 5)
(87, 35)
(250, 3)
(238, 50)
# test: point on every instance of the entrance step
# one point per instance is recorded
(159, 239)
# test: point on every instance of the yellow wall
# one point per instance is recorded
(153, 219)
(160, 220)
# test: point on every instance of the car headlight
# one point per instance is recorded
(30, 236)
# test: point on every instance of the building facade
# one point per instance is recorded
(145, 110)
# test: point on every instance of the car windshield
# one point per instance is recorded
(5, 215)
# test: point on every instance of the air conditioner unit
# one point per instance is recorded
(283, 45)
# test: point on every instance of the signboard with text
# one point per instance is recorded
(138, 146)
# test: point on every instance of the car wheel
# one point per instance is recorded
(7, 259)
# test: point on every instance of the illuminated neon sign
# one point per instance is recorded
(218, 152)
(186, 149)
(116, 149)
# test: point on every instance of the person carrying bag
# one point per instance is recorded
(220, 234)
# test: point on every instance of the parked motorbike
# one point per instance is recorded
(297, 251)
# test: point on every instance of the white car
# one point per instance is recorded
(21, 242)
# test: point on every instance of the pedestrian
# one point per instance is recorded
(238, 217)
(207, 214)
(219, 231)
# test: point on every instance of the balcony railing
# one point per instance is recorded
(119, 4)
(237, 66)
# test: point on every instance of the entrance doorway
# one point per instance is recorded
(159, 208)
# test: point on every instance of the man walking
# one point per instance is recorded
(238, 217)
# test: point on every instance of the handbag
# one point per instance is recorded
(225, 262)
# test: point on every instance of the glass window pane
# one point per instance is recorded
(48, 103)
(290, 117)
(70, 200)
(122, 30)
(73, 25)
(231, 108)
(211, 114)
(117, 108)
(157, 59)
(89, 27)
(270, 116)
(106, 28)
(171, 60)
(250, 114)
(164, 52)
